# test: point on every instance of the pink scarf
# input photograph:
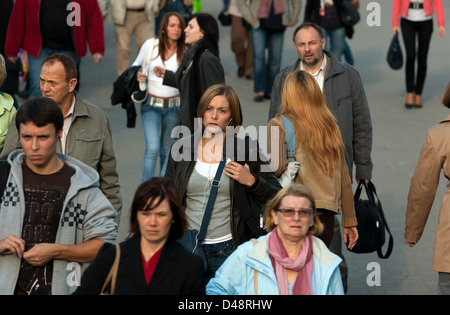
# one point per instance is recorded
(264, 8)
(304, 264)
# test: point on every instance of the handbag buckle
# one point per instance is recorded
(215, 183)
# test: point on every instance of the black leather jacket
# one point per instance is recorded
(247, 203)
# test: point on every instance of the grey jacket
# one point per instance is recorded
(88, 140)
(345, 97)
(86, 215)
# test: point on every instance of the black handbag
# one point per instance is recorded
(371, 223)
(193, 239)
(224, 18)
(395, 55)
(348, 14)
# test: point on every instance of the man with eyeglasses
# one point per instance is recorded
(345, 97)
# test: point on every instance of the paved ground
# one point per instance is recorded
(398, 138)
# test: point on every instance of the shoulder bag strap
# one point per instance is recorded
(290, 137)
(4, 174)
(148, 55)
(212, 198)
(112, 276)
(371, 187)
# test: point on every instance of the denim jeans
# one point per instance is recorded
(265, 71)
(444, 283)
(157, 124)
(169, 7)
(35, 64)
(215, 260)
(335, 41)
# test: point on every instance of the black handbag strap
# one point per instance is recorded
(212, 198)
(371, 194)
(5, 169)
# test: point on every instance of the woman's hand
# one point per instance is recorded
(396, 30)
(141, 77)
(442, 31)
(159, 71)
(240, 173)
(350, 236)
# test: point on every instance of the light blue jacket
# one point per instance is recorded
(236, 275)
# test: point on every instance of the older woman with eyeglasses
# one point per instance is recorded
(289, 260)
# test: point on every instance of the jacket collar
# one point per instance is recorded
(167, 261)
(334, 67)
(446, 119)
(258, 257)
(80, 109)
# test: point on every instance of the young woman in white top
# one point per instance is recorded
(159, 112)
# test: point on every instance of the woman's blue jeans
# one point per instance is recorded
(157, 124)
(335, 41)
(265, 71)
(35, 65)
(169, 7)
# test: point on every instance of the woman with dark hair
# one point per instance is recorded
(160, 109)
(199, 69)
(243, 188)
(433, 158)
(151, 260)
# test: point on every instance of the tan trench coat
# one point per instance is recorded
(435, 155)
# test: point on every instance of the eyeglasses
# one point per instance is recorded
(289, 213)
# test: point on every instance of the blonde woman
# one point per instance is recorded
(319, 149)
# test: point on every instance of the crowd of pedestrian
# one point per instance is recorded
(216, 194)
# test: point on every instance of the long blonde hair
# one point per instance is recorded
(315, 125)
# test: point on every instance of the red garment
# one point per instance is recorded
(24, 29)
(149, 266)
(400, 7)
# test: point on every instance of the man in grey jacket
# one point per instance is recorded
(53, 216)
(345, 97)
(86, 134)
(343, 93)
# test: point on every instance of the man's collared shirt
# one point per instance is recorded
(320, 74)
(67, 122)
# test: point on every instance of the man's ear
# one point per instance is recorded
(72, 84)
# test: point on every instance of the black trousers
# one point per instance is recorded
(422, 31)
